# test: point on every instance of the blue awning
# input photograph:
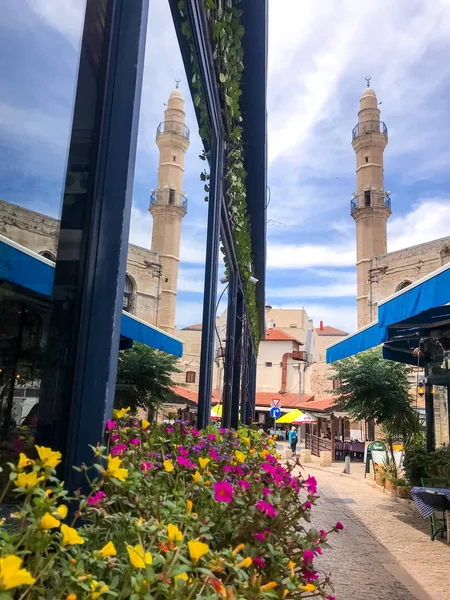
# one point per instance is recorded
(428, 293)
(363, 339)
(29, 270)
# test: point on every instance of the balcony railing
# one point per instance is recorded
(387, 202)
(354, 203)
(173, 127)
(167, 196)
(369, 127)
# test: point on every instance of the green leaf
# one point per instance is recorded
(222, 78)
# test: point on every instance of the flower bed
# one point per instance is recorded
(170, 513)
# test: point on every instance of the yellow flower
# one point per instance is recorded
(71, 597)
(49, 457)
(145, 424)
(108, 550)
(49, 522)
(168, 466)
(11, 575)
(240, 456)
(119, 414)
(291, 566)
(263, 454)
(285, 593)
(97, 589)
(245, 563)
(115, 470)
(203, 462)
(181, 577)
(70, 536)
(252, 451)
(189, 505)
(196, 477)
(271, 441)
(62, 511)
(28, 479)
(173, 533)
(309, 587)
(268, 586)
(24, 461)
(138, 557)
(197, 549)
(246, 441)
(238, 548)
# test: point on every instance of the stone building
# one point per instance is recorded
(151, 280)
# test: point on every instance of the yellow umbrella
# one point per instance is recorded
(290, 416)
(216, 412)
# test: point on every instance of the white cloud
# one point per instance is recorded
(292, 256)
(333, 290)
(65, 16)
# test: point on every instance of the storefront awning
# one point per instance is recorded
(29, 270)
(363, 339)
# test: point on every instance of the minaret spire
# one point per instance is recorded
(370, 205)
(168, 204)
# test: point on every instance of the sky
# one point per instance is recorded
(319, 56)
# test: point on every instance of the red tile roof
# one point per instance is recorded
(287, 400)
(278, 335)
(327, 330)
(197, 327)
(319, 404)
(188, 394)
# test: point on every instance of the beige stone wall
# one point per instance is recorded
(191, 357)
(441, 416)
(388, 271)
(39, 233)
(268, 378)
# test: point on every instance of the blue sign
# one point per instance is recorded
(275, 412)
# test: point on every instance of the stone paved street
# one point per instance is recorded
(385, 551)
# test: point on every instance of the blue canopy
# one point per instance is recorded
(363, 339)
(25, 268)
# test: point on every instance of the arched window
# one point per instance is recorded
(127, 294)
(48, 255)
(403, 285)
(190, 376)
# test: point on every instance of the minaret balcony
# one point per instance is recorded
(370, 127)
(367, 202)
(174, 127)
(168, 197)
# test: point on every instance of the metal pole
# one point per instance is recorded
(429, 412)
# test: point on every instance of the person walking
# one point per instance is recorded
(293, 440)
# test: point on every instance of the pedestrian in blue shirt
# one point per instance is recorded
(293, 440)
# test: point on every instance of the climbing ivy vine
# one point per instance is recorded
(226, 31)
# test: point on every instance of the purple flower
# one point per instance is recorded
(244, 485)
(266, 508)
(134, 441)
(223, 491)
(146, 466)
(311, 484)
(266, 492)
(185, 462)
(96, 498)
(110, 425)
(258, 562)
(119, 449)
(308, 556)
(259, 536)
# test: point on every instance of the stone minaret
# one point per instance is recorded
(371, 205)
(168, 204)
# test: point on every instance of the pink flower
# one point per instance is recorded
(185, 462)
(195, 432)
(110, 425)
(213, 454)
(134, 441)
(266, 492)
(222, 431)
(259, 536)
(115, 437)
(308, 556)
(211, 437)
(323, 535)
(146, 466)
(309, 575)
(338, 526)
(182, 451)
(307, 505)
(266, 508)
(331, 598)
(96, 498)
(244, 485)
(258, 562)
(169, 429)
(318, 550)
(118, 449)
(223, 491)
(311, 484)
(268, 468)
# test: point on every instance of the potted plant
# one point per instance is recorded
(402, 489)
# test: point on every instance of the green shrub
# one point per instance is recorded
(418, 465)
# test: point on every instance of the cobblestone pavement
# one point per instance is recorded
(385, 551)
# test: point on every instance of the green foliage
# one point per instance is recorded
(149, 373)
(374, 388)
(226, 32)
(419, 464)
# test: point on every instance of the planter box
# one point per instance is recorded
(378, 478)
(390, 486)
(403, 491)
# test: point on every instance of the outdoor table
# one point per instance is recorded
(429, 500)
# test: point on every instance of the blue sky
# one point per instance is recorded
(319, 54)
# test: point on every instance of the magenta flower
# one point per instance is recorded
(338, 526)
(309, 575)
(96, 498)
(222, 431)
(311, 484)
(195, 432)
(213, 454)
(259, 536)
(268, 468)
(318, 550)
(182, 451)
(244, 485)
(266, 508)
(115, 437)
(110, 425)
(134, 441)
(211, 437)
(185, 462)
(307, 505)
(146, 466)
(331, 598)
(223, 491)
(266, 492)
(308, 556)
(169, 429)
(258, 562)
(323, 535)
(119, 449)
